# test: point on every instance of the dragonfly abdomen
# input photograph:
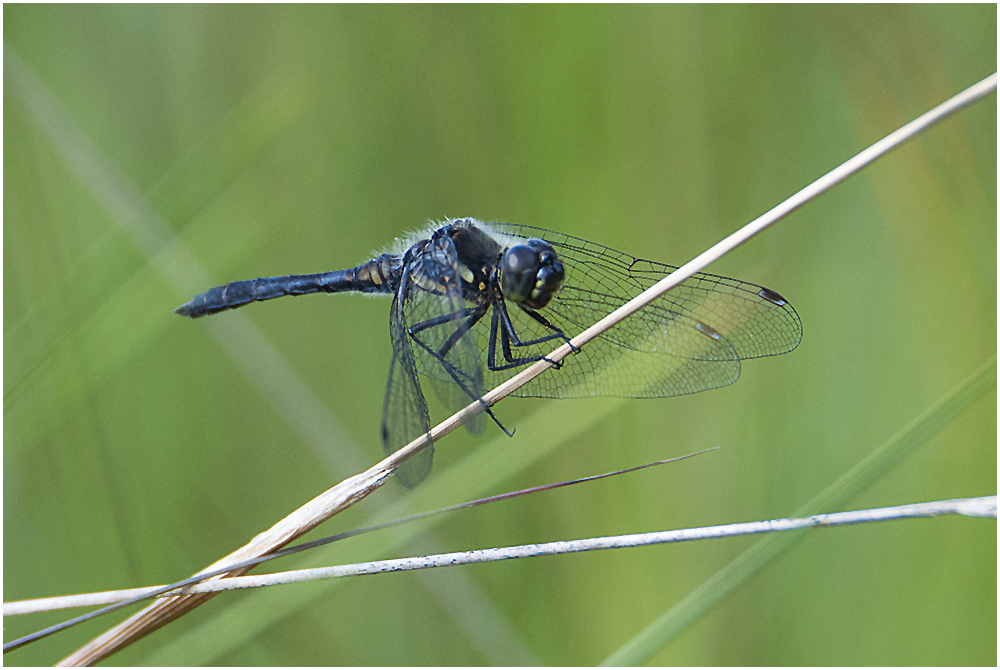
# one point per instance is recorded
(380, 275)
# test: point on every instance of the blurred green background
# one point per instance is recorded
(153, 152)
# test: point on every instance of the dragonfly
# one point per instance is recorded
(474, 303)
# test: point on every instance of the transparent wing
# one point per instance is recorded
(445, 350)
(690, 340)
(404, 414)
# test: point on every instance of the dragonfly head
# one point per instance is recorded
(530, 273)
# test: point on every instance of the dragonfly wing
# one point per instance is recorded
(631, 359)
(438, 319)
(690, 340)
(404, 414)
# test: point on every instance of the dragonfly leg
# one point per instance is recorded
(474, 314)
(556, 332)
(444, 318)
(502, 326)
(497, 329)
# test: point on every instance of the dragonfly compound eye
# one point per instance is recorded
(517, 272)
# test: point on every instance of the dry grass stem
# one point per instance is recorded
(984, 507)
(165, 610)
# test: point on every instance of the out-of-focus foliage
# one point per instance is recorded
(153, 152)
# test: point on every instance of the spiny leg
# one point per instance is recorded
(502, 326)
(475, 314)
(444, 318)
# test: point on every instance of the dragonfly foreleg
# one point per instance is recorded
(502, 326)
(556, 332)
